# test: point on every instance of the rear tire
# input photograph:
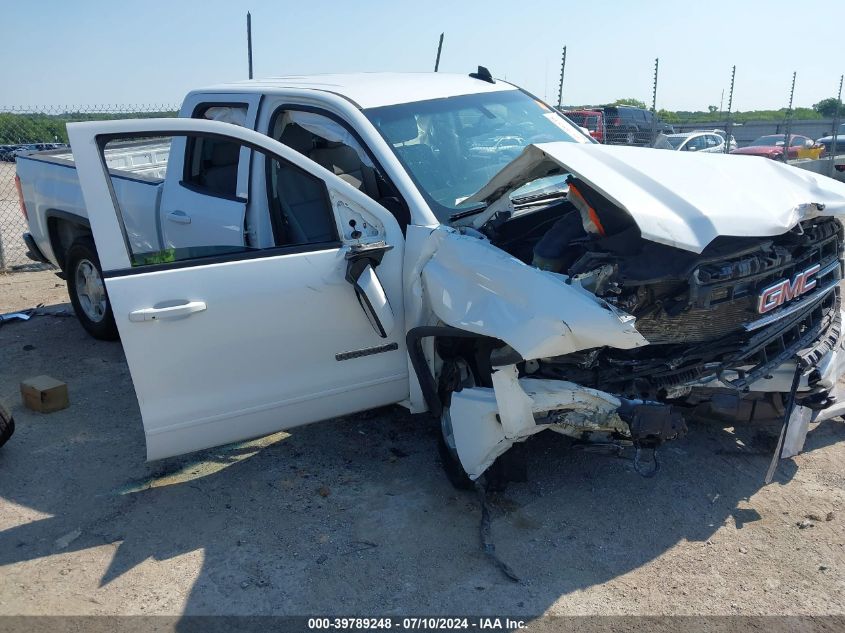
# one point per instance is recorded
(7, 425)
(87, 290)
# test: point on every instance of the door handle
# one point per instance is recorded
(179, 311)
(179, 217)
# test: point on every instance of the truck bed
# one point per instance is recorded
(52, 193)
(138, 158)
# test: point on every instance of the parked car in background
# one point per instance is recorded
(23, 150)
(590, 120)
(8, 152)
(709, 142)
(771, 146)
(827, 141)
(627, 125)
(724, 135)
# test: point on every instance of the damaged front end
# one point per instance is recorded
(608, 313)
(487, 422)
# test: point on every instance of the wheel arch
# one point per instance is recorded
(63, 229)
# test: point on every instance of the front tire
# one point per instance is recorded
(87, 290)
(7, 425)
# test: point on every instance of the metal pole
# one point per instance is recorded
(729, 124)
(439, 48)
(560, 85)
(789, 120)
(833, 143)
(654, 87)
(654, 101)
(249, 41)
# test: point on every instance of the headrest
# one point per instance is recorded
(400, 130)
(296, 137)
(224, 154)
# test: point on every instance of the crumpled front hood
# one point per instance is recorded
(681, 199)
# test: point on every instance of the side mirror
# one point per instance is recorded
(374, 303)
(360, 272)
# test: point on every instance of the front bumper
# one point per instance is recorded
(485, 422)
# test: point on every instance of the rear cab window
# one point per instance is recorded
(212, 165)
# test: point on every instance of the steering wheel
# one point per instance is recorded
(518, 140)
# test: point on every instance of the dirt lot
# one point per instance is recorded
(355, 516)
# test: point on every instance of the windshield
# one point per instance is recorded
(676, 141)
(452, 147)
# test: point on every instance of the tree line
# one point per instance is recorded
(20, 128)
(824, 109)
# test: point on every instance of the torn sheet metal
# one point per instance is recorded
(796, 431)
(680, 199)
(487, 422)
(474, 286)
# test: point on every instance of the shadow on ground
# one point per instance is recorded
(352, 515)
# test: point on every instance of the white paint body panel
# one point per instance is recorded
(474, 286)
(682, 199)
(261, 356)
(372, 90)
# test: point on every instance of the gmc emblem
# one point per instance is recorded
(784, 290)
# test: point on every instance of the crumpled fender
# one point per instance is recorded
(472, 285)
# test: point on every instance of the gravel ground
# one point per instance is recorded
(354, 515)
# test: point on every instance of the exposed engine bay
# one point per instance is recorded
(741, 308)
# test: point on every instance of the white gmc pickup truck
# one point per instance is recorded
(291, 250)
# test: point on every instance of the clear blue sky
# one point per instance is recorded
(95, 52)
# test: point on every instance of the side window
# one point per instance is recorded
(297, 204)
(330, 145)
(300, 209)
(694, 144)
(212, 164)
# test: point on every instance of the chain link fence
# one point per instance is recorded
(813, 143)
(28, 129)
